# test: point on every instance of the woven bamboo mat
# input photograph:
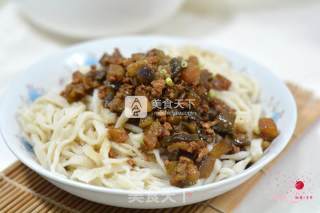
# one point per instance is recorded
(22, 190)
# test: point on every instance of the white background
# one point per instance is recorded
(283, 35)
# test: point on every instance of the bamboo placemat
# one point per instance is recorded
(22, 190)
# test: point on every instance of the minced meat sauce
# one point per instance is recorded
(181, 138)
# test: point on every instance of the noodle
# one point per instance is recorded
(71, 139)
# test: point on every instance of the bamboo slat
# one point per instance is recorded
(22, 190)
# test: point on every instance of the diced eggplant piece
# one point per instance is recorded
(268, 129)
(220, 82)
(222, 147)
(145, 75)
(179, 137)
(175, 65)
(240, 139)
(225, 122)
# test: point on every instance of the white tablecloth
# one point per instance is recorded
(285, 37)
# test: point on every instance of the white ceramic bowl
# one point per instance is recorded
(45, 74)
(93, 18)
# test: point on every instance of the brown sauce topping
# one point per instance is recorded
(182, 138)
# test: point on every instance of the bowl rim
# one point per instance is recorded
(59, 29)
(268, 157)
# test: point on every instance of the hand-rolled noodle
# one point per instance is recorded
(83, 132)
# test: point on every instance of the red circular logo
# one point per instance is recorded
(299, 185)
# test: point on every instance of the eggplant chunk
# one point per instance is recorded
(179, 137)
(225, 122)
(222, 147)
(268, 129)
